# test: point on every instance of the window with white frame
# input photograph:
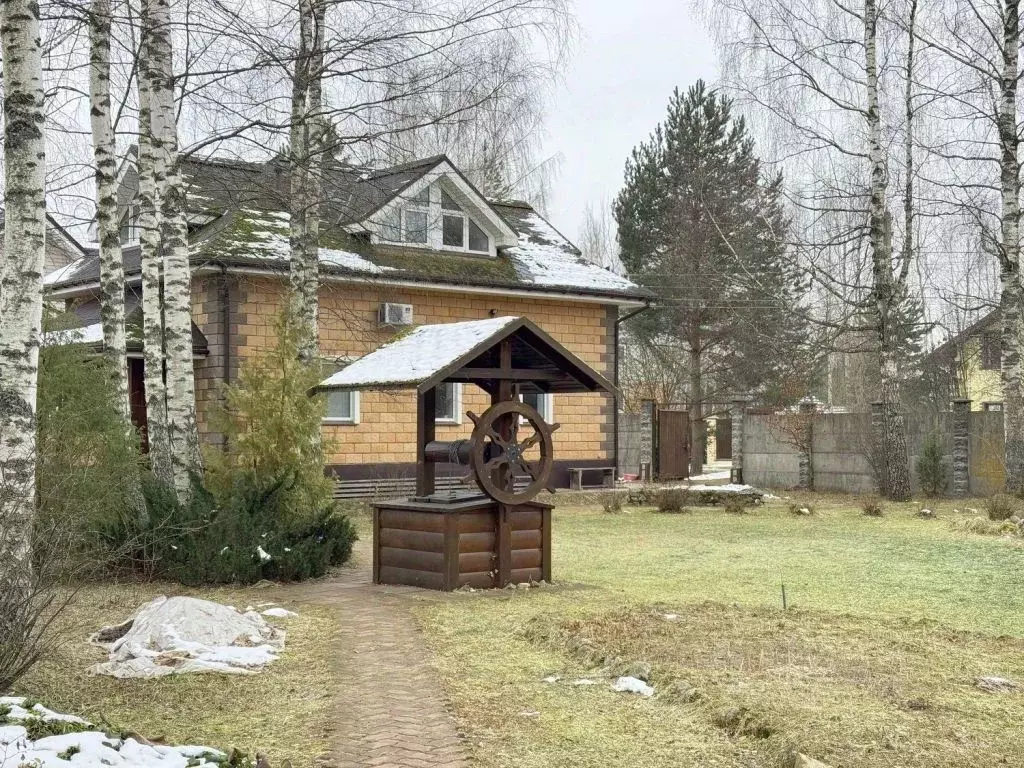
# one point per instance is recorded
(448, 403)
(542, 402)
(433, 217)
(130, 231)
(342, 407)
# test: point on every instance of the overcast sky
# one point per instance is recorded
(630, 56)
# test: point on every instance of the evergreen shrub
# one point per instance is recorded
(931, 466)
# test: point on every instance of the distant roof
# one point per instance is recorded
(242, 207)
(469, 351)
(955, 340)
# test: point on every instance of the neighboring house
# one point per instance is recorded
(411, 244)
(972, 359)
(61, 247)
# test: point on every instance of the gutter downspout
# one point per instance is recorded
(225, 304)
(615, 380)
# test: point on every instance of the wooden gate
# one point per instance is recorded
(673, 445)
(723, 438)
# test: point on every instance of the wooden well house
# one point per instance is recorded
(494, 532)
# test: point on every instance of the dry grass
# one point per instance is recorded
(881, 608)
(854, 692)
(286, 711)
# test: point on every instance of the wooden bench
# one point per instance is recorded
(576, 477)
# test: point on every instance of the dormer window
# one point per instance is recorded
(433, 217)
(130, 232)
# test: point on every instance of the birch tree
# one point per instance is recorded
(21, 288)
(180, 396)
(112, 311)
(306, 166)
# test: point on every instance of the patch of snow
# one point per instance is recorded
(263, 555)
(280, 613)
(584, 681)
(632, 685)
(551, 679)
(416, 356)
(670, 616)
(351, 261)
(183, 634)
(544, 257)
(726, 488)
(724, 474)
(93, 749)
(62, 273)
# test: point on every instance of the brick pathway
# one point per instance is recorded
(392, 712)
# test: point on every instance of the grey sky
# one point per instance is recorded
(630, 57)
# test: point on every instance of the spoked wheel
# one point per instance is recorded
(513, 429)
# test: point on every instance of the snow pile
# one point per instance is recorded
(81, 746)
(183, 634)
(629, 684)
(727, 488)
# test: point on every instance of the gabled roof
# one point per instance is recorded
(54, 225)
(90, 332)
(979, 326)
(241, 208)
(469, 352)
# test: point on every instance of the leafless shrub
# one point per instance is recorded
(873, 508)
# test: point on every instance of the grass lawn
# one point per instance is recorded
(890, 622)
(285, 711)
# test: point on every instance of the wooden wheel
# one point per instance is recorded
(501, 427)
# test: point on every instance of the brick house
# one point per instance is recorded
(407, 245)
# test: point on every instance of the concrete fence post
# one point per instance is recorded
(738, 412)
(808, 407)
(647, 440)
(961, 447)
(878, 446)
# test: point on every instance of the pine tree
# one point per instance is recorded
(703, 226)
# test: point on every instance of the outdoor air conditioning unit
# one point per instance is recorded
(395, 314)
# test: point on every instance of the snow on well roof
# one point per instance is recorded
(416, 356)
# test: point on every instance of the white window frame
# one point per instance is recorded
(456, 419)
(435, 221)
(547, 409)
(351, 421)
(130, 220)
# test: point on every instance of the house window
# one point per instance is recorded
(342, 408)
(993, 407)
(541, 401)
(991, 351)
(130, 232)
(432, 216)
(448, 403)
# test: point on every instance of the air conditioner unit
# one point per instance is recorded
(395, 314)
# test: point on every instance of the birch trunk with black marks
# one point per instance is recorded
(180, 393)
(1012, 294)
(152, 299)
(307, 157)
(105, 155)
(21, 280)
(885, 289)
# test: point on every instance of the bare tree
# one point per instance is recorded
(597, 238)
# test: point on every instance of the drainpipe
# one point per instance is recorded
(225, 305)
(615, 380)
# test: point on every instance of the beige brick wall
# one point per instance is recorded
(387, 429)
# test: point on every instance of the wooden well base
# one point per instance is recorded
(444, 545)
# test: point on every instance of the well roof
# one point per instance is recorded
(469, 352)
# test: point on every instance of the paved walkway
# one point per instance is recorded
(392, 712)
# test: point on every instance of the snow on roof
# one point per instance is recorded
(59, 274)
(265, 234)
(545, 257)
(416, 356)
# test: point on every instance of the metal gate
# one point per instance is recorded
(673, 445)
(723, 438)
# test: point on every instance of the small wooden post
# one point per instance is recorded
(425, 429)
(545, 544)
(451, 551)
(376, 545)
